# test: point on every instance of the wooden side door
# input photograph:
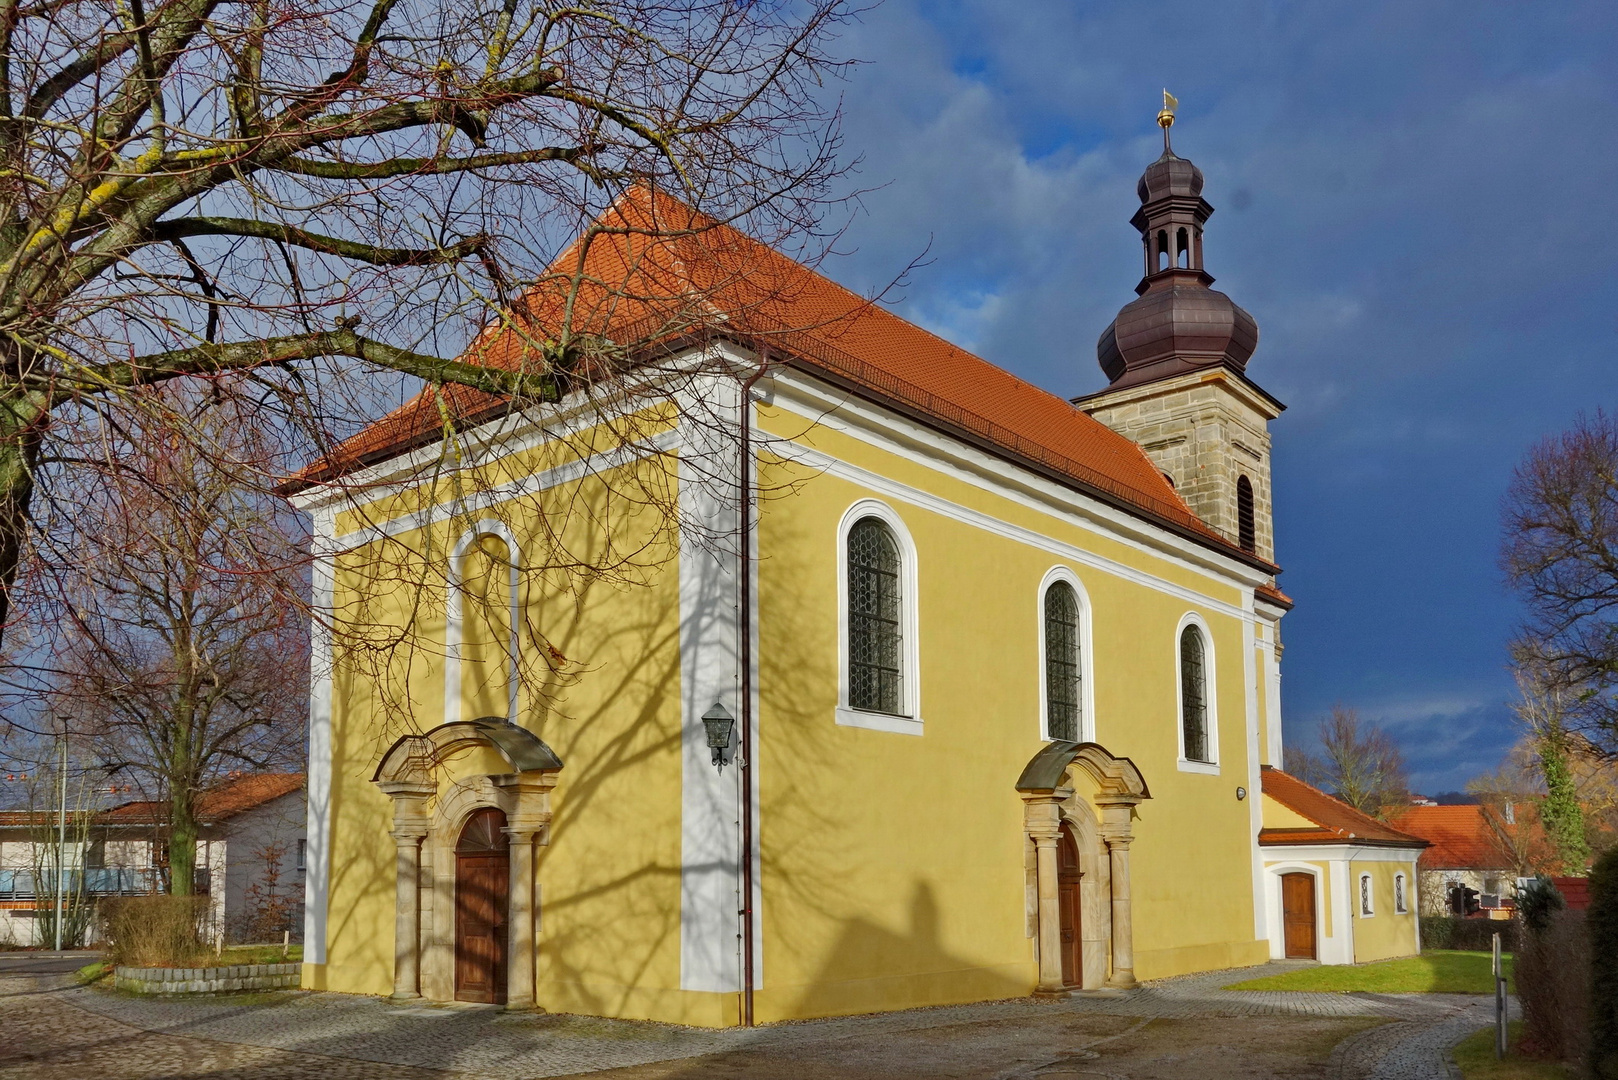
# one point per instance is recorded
(1298, 915)
(1067, 900)
(482, 888)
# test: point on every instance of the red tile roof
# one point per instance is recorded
(1460, 838)
(1335, 821)
(227, 800)
(657, 254)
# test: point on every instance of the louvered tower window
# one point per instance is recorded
(1061, 663)
(1245, 532)
(1194, 694)
(875, 678)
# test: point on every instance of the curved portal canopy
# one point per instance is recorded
(1116, 776)
(412, 757)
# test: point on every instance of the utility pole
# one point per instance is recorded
(61, 840)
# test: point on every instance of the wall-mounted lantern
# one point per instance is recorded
(721, 727)
(1241, 793)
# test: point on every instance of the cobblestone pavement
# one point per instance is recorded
(53, 1029)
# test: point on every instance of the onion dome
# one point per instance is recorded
(1178, 324)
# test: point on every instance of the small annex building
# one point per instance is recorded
(975, 698)
(1339, 884)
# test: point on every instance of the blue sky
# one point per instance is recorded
(1416, 202)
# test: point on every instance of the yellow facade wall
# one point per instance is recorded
(893, 865)
(898, 878)
(1387, 932)
(609, 878)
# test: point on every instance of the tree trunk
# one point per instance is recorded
(20, 423)
(182, 845)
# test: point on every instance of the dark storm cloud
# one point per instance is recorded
(1413, 201)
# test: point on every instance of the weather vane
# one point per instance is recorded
(1165, 116)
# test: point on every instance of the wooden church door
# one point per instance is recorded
(482, 884)
(1067, 902)
(1298, 915)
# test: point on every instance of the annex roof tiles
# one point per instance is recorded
(1336, 822)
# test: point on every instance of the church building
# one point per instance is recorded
(922, 685)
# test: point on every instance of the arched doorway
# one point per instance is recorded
(1067, 888)
(482, 884)
(1298, 915)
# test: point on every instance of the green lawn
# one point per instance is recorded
(1475, 1056)
(1437, 971)
(255, 954)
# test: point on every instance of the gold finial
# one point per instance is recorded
(1165, 116)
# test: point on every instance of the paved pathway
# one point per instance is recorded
(332, 1036)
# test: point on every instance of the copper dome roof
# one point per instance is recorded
(1178, 324)
(1169, 175)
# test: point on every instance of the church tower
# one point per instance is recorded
(1177, 357)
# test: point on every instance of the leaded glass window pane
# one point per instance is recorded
(1193, 695)
(1062, 663)
(875, 676)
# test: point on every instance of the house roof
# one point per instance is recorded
(233, 797)
(1459, 835)
(653, 254)
(1335, 822)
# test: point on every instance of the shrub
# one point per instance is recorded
(1552, 976)
(1472, 935)
(1436, 931)
(1538, 902)
(1602, 920)
(154, 931)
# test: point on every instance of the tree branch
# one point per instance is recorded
(180, 228)
(245, 355)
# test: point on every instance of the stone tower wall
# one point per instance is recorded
(1204, 429)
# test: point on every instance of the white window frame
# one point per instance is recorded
(1210, 672)
(909, 721)
(1401, 894)
(454, 616)
(1367, 896)
(1087, 725)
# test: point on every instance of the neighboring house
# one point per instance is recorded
(1342, 883)
(1015, 663)
(1467, 870)
(120, 851)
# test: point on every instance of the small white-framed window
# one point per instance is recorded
(1399, 902)
(1366, 907)
(1196, 696)
(1066, 700)
(877, 624)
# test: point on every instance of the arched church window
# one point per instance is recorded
(1162, 250)
(875, 646)
(1245, 530)
(1194, 694)
(1062, 672)
(1182, 254)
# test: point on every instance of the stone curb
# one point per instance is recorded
(233, 978)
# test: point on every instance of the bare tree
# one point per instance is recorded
(1358, 762)
(1560, 551)
(284, 200)
(1542, 706)
(171, 650)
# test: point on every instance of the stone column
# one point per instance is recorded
(1116, 831)
(1043, 822)
(409, 827)
(407, 914)
(520, 922)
